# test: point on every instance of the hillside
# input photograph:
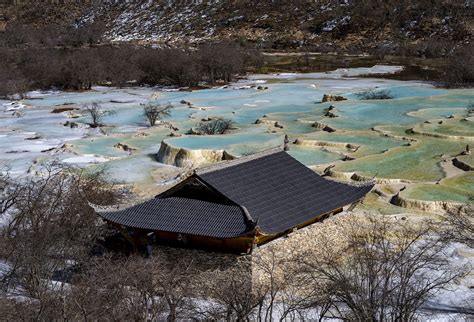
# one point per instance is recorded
(423, 28)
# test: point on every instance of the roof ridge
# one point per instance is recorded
(229, 163)
(125, 206)
(117, 207)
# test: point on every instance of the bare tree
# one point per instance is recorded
(117, 288)
(287, 288)
(381, 270)
(460, 226)
(230, 293)
(154, 113)
(8, 193)
(51, 229)
(174, 277)
(96, 113)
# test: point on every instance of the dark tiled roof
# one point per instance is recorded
(181, 215)
(279, 191)
(272, 190)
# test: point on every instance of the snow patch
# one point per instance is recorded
(85, 159)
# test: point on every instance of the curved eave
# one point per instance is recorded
(183, 216)
(250, 234)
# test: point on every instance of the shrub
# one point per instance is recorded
(373, 94)
(217, 126)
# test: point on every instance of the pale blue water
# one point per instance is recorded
(313, 156)
(223, 141)
(294, 102)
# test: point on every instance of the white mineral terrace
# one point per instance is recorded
(414, 144)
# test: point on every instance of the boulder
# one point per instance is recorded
(61, 109)
(330, 114)
(72, 125)
(36, 137)
(323, 127)
(124, 147)
(333, 98)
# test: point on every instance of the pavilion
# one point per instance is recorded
(236, 205)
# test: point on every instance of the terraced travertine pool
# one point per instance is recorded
(412, 137)
(458, 189)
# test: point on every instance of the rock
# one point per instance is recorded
(328, 129)
(72, 125)
(193, 132)
(48, 150)
(155, 96)
(121, 101)
(208, 119)
(352, 146)
(323, 127)
(62, 109)
(462, 165)
(332, 98)
(174, 134)
(269, 122)
(186, 103)
(73, 115)
(467, 150)
(124, 147)
(36, 137)
(330, 114)
(18, 113)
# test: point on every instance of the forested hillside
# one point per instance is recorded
(425, 27)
